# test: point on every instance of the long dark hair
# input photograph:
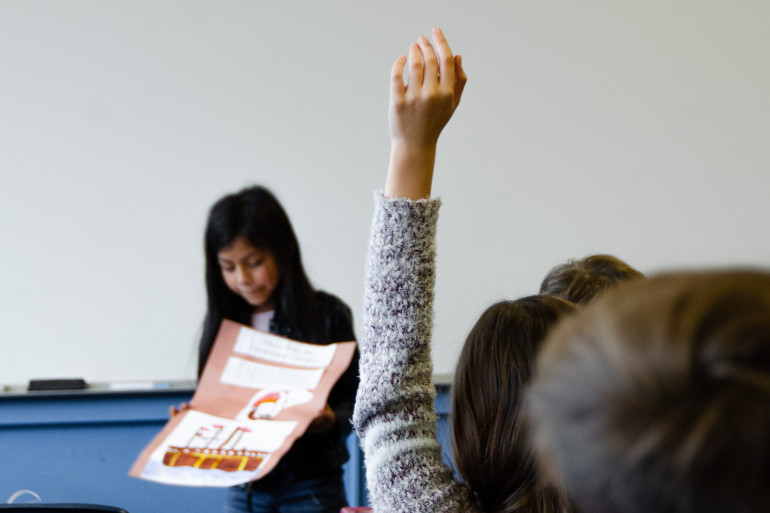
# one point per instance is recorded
(254, 213)
(492, 452)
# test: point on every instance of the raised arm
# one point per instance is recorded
(394, 413)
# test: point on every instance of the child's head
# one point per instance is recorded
(580, 280)
(250, 273)
(253, 264)
(247, 227)
(491, 451)
(657, 397)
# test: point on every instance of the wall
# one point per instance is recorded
(638, 128)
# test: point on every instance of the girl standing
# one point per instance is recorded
(254, 275)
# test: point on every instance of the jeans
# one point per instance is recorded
(286, 494)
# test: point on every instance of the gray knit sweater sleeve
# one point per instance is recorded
(394, 415)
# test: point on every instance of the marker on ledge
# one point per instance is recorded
(56, 384)
(139, 385)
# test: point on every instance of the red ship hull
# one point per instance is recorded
(228, 460)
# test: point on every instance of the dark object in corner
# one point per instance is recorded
(57, 384)
(59, 508)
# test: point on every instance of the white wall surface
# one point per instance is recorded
(639, 128)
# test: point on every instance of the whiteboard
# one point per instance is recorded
(638, 128)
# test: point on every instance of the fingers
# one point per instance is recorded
(416, 67)
(397, 89)
(176, 410)
(430, 63)
(446, 62)
(431, 68)
(426, 68)
(460, 78)
(420, 109)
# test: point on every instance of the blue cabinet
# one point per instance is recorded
(78, 446)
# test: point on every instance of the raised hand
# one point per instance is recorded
(419, 111)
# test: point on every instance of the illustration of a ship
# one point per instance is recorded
(199, 453)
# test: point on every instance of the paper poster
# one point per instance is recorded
(258, 393)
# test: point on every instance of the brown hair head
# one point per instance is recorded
(656, 398)
(580, 281)
(491, 449)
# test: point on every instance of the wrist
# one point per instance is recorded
(410, 174)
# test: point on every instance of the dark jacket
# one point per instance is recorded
(319, 454)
